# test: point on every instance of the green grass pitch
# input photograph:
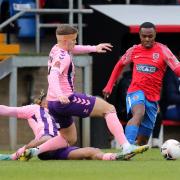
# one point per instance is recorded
(147, 166)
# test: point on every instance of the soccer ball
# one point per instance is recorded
(170, 149)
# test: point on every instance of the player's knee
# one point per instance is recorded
(72, 140)
(91, 152)
(139, 115)
(110, 109)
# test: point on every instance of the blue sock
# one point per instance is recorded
(131, 133)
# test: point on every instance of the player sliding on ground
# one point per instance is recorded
(39, 120)
(64, 102)
(44, 128)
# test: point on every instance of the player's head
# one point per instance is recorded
(66, 36)
(147, 33)
(41, 100)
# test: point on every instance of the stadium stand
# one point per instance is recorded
(7, 50)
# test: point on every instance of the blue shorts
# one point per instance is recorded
(151, 109)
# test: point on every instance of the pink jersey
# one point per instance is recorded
(61, 70)
(38, 118)
(148, 70)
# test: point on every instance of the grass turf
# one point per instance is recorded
(149, 165)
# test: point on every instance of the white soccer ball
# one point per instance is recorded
(170, 149)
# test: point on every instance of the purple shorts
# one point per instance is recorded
(63, 153)
(59, 154)
(80, 105)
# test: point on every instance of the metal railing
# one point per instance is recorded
(38, 11)
(11, 66)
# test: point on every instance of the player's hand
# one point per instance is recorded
(64, 99)
(103, 47)
(106, 94)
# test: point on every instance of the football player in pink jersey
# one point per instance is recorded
(76, 153)
(64, 102)
(41, 124)
(150, 60)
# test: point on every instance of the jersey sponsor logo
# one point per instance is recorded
(155, 57)
(145, 68)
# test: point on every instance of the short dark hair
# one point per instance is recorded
(147, 25)
(65, 29)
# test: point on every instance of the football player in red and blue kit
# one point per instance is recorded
(150, 60)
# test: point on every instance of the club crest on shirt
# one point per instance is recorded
(155, 57)
(57, 64)
(135, 97)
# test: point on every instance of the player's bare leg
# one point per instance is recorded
(106, 110)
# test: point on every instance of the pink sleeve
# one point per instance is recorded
(61, 65)
(8, 111)
(57, 70)
(54, 82)
(27, 112)
(33, 125)
(80, 49)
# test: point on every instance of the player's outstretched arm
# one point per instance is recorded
(103, 47)
(8, 111)
(84, 49)
(113, 78)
